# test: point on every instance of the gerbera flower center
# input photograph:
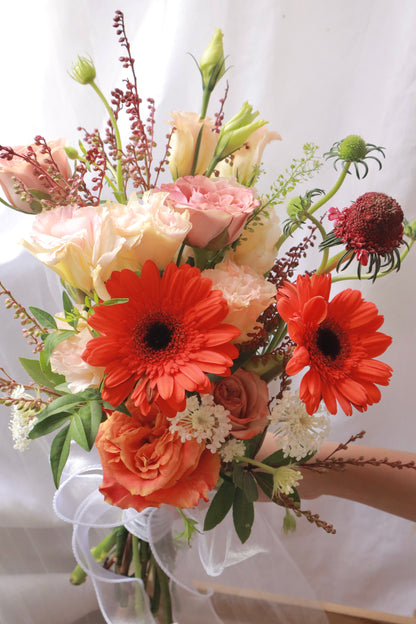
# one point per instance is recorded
(158, 336)
(328, 342)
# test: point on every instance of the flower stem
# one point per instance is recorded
(254, 462)
(205, 101)
(165, 595)
(332, 192)
(99, 552)
(121, 193)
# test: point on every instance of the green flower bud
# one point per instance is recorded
(71, 152)
(410, 229)
(236, 132)
(295, 207)
(353, 148)
(83, 70)
(212, 63)
(289, 522)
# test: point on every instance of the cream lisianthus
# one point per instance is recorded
(257, 246)
(244, 163)
(246, 293)
(84, 245)
(187, 127)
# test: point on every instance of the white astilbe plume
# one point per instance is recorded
(203, 420)
(232, 448)
(23, 418)
(298, 432)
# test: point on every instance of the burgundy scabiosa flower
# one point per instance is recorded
(372, 228)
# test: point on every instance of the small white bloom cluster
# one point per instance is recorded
(285, 479)
(203, 420)
(231, 448)
(23, 419)
(298, 432)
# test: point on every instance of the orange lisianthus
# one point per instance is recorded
(164, 339)
(145, 465)
(338, 340)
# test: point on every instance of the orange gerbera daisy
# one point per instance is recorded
(338, 340)
(163, 340)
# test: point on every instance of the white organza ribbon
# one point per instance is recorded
(217, 553)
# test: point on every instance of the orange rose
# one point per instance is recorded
(145, 465)
(246, 396)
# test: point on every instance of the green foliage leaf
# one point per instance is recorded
(77, 429)
(243, 515)
(85, 423)
(220, 505)
(277, 459)
(59, 453)
(67, 303)
(265, 482)
(253, 445)
(44, 318)
(68, 402)
(244, 480)
(34, 369)
(53, 378)
(51, 423)
(52, 340)
(119, 408)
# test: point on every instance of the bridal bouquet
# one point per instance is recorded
(185, 312)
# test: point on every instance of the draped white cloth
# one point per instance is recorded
(317, 71)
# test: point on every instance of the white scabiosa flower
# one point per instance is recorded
(202, 420)
(232, 448)
(23, 418)
(298, 432)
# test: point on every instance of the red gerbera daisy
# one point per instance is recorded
(164, 339)
(338, 340)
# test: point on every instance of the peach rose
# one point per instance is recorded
(247, 294)
(145, 465)
(218, 209)
(182, 146)
(27, 174)
(244, 163)
(246, 396)
(84, 245)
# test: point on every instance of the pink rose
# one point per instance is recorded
(246, 396)
(218, 209)
(28, 175)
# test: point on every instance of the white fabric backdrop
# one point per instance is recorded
(317, 71)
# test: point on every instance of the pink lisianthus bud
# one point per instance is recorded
(19, 170)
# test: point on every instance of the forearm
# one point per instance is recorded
(386, 488)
